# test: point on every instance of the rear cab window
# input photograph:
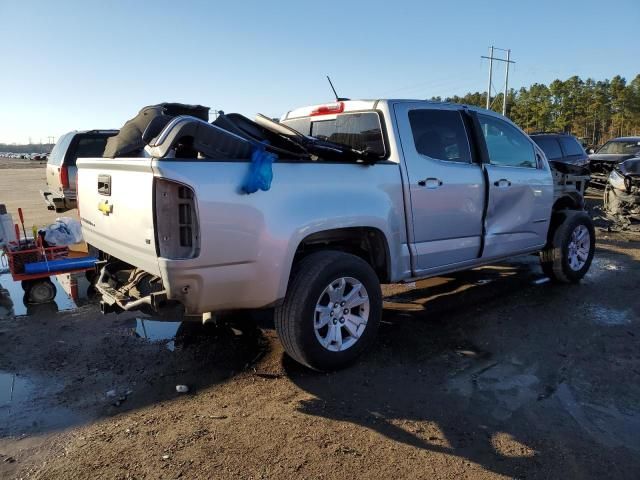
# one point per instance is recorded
(358, 130)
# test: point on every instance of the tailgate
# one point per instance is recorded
(116, 209)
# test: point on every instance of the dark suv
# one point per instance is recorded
(561, 148)
(60, 194)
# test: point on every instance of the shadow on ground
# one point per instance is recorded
(495, 366)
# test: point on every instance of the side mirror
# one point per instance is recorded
(590, 151)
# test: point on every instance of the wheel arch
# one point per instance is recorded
(568, 201)
(366, 242)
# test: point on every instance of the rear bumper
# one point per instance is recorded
(222, 287)
(57, 202)
(197, 289)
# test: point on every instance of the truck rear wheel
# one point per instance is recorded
(568, 256)
(331, 312)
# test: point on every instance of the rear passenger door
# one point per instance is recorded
(445, 185)
(520, 190)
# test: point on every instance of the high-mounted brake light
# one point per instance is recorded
(330, 109)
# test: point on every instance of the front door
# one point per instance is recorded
(520, 190)
(445, 185)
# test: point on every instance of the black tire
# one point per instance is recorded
(294, 319)
(41, 291)
(555, 257)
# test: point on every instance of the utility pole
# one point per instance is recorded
(490, 74)
(506, 83)
(508, 60)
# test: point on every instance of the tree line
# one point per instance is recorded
(594, 111)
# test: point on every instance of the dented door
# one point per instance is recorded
(520, 188)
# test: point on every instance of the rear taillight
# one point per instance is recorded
(64, 177)
(330, 109)
(177, 232)
(77, 194)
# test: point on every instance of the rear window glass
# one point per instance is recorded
(571, 146)
(302, 125)
(440, 134)
(89, 147)
(361, 131)
(60, 149)
(549, 146)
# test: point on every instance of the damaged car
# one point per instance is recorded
(611, 154)
(309, 215)
(622, 193)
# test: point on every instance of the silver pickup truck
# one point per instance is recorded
(439, 188)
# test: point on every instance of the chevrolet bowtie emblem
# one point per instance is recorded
(105, 208)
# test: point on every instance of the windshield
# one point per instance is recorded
(621, 147)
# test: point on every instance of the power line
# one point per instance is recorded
(507, 61)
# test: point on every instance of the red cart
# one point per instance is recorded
(38, 287)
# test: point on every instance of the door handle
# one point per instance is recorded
(502, 183)
(430, 182)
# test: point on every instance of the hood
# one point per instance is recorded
(630, 167)
(610, 157)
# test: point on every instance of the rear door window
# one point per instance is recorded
(550, 147)
(361, 131)
(571, 146)
(440, 134)
(507, 146)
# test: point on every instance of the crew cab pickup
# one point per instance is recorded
(430, 188)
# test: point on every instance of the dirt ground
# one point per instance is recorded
(490, 373)
(20, 184)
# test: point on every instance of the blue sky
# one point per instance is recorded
(68, 65)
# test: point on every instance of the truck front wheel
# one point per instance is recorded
(568, 256)
(331, 312)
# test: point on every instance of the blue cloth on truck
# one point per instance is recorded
(55, 266)
(260, 171)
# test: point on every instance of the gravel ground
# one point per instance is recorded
(490, 373)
